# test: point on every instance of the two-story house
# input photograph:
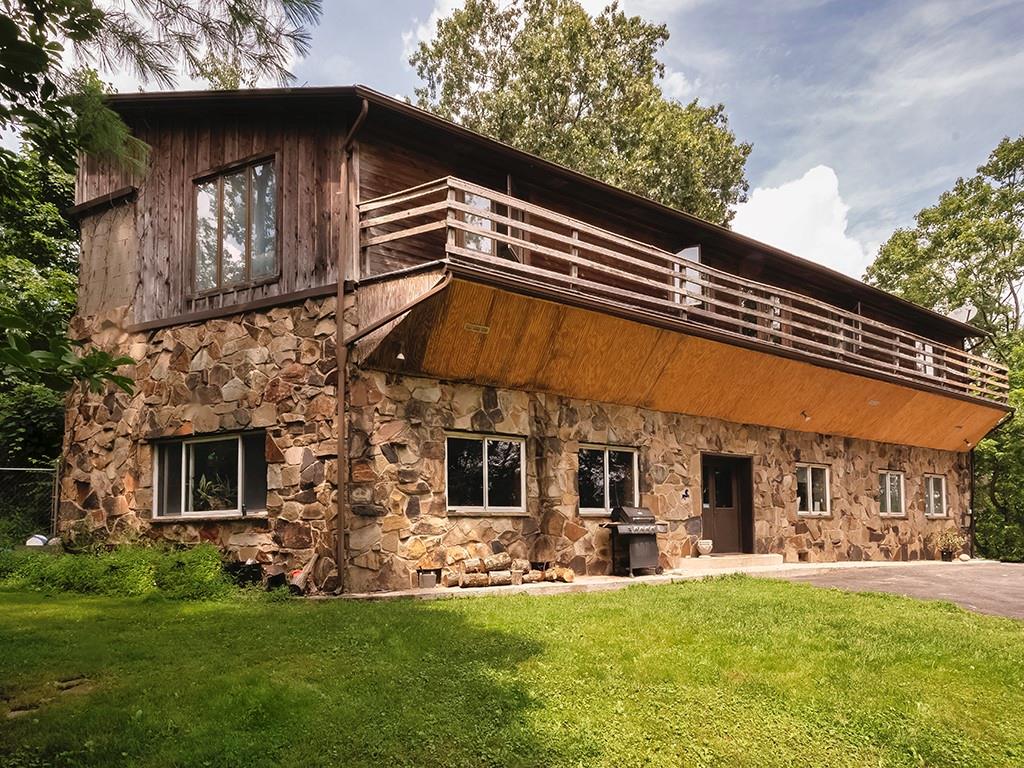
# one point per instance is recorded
(366, 335)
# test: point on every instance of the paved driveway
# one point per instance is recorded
(994, 588)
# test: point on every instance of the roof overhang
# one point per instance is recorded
(483, 328)
(347, 100)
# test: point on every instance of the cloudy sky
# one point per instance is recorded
(860, 111)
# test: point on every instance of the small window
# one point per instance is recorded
(475, 240)
(224, 475)
(607, 479)
(236, 228)
(890, 494)
(485, 473)
(925, 357)
(690, 287)
(812, 490)
(935, 496)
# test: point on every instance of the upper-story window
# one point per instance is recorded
(236, 227)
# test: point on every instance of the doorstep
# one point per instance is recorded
(700, 568)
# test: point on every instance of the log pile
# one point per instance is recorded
(463, 570)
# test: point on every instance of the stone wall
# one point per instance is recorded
(397, 492)
(272, 370)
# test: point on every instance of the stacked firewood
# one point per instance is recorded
(499, 569)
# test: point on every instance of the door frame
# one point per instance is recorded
(743, 468)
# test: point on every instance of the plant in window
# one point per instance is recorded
(213, 493)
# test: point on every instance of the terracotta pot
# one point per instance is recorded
(704, 547)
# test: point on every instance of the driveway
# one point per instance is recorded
(984, 587)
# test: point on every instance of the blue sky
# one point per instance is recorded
(860, 112)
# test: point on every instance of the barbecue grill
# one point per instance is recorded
(634, 540)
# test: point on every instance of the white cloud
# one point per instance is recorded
(422, 31)
(807, 217)
(678, 86)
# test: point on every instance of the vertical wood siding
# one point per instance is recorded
(310, 202)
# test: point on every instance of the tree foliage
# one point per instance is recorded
(967, 251)
(59, 110)
(582, 90)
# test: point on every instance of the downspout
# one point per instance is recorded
(349, 243)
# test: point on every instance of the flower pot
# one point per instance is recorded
(947, 555)
(704, 547)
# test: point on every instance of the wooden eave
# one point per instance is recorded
(531, 169)
(490, 330)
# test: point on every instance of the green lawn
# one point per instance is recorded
(729, 672)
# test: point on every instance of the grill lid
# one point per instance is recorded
(632, 515)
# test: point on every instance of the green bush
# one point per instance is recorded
(187, 574)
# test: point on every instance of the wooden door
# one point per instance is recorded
(720, 504)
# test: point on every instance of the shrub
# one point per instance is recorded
(187, 574)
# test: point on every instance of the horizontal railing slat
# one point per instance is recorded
(630, 273)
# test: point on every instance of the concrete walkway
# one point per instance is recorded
(697, 568)
(984, 586)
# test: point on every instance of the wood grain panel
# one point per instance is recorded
(541, 346)
(308, 166)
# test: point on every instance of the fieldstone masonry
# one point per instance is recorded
(274, 370)
(400, 522)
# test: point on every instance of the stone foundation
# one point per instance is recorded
(399, 520)
(273, 370)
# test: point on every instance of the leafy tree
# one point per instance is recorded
(967, 251)
(582, 90)
(60, 111)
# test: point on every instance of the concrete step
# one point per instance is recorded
(723, 561)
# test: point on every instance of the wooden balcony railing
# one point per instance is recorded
(479, 227)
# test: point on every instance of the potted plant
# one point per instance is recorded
(704, 546)
(949, 542)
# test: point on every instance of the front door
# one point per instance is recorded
(720, 504)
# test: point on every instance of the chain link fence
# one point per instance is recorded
(28, 503)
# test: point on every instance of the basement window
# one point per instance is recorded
(608, 478)
(935, 496)
(812, 490)
(219, 476)
(890, 494)
(236, 228)
(484, 474)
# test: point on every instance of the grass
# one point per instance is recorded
(730, 672)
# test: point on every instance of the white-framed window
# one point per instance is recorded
(475, 240)
(686, 278)
(484, 473)
(813, 494)
(925, 357)
(211, 476)
(890, 494)
(608, 477)
(935, 496)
